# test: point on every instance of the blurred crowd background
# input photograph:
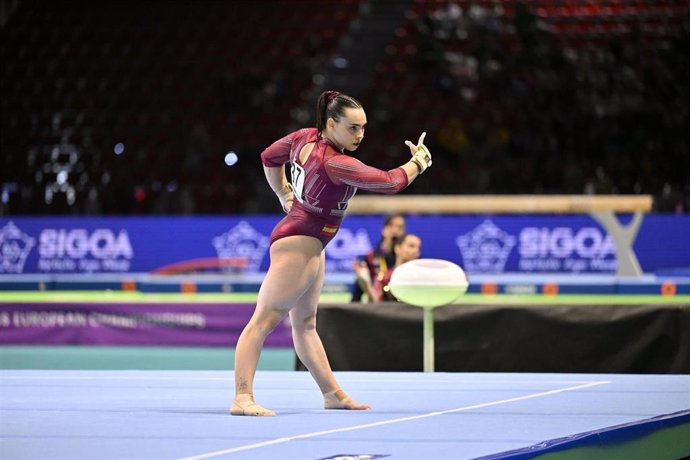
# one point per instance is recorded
(131, 107)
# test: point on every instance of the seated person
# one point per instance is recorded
(378, 260)
(405, 247)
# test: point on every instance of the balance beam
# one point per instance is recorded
(601, 208)
(498, 204)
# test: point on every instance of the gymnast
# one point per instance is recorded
(323, 178)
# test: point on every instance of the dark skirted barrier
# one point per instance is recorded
(653, 339)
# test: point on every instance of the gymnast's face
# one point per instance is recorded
(348, 131)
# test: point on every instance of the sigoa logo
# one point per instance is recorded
(562, 243)
(486, 248)
(79, 243)
(242, 241)
(15, 246)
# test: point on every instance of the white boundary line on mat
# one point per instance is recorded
(315, 434)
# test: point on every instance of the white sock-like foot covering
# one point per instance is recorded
(244, 404)
(335, 399)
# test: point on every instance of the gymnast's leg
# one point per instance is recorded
(295, 265)
(310, 349)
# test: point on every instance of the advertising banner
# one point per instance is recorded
(130, 324)
(479, 243)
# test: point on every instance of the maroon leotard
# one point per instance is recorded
(324, 184)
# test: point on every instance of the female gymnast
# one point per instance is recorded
(323, 178)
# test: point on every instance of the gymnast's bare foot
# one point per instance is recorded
(338, 399)
(244, 404)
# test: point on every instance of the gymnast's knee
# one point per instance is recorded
(265, 324)
(307, 323)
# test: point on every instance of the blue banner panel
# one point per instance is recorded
(478, 243)
(549, 243)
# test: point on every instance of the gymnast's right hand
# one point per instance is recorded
(421, 156)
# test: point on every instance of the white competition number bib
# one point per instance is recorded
(297, 174)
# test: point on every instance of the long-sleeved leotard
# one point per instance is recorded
(324, 184)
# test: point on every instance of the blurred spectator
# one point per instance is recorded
(406, 247)
(373, 266)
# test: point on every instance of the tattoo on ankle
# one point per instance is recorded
(242, 385)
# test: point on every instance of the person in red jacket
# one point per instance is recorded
(376, 262)
(323, 178)
(406, 247)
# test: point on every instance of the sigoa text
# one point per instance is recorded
(77, 243)
(563, 242)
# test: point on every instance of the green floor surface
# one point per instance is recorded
(140, 358)
(250, 297)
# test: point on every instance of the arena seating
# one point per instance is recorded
(518, 97)
(177, 83)
(510, 88)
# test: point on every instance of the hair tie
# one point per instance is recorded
(330, 95)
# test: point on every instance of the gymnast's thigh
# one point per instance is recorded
(305, 308)
(295, 266)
